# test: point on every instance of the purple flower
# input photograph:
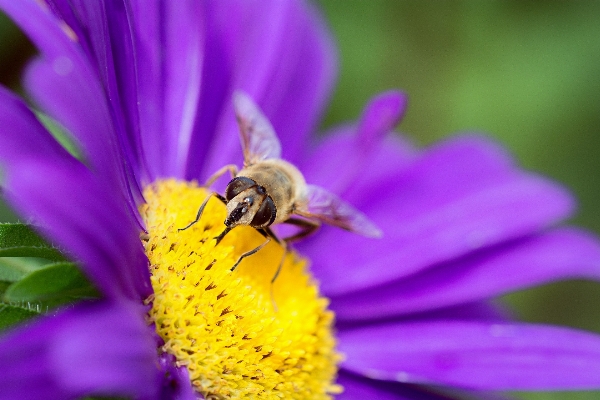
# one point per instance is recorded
(145, 88)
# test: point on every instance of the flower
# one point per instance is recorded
(144, 88)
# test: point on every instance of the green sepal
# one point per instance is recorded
(51, 286)
(19, 240)
(13, 314)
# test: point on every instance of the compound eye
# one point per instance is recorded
(237, 186)
(265, 215)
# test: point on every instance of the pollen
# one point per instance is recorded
(238, 334)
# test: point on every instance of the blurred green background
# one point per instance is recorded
(525, 72)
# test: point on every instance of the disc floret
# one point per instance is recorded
(238, 335)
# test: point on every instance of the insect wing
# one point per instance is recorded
(327, 207)
(257, 135)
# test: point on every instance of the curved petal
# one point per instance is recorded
(103, 31)
(23, 136)
(484, 311)
(557, 255)
(359, 387)
(458, 197)
(484, 356)
(94, 348)
(281, 54)
(63, 98)
(350, 149)
(66, 87)
(81, 215)
(488, 311)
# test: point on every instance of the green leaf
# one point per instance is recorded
(13, 269)
(19, 240)
(13, 314)
(3, 286)
(16, 234)
(52, 285)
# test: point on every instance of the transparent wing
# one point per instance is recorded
(327, 207)
(257, 135)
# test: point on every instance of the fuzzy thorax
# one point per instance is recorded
(236, 337)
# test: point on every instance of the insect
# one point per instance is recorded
(269, 190)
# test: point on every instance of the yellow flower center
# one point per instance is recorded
(238, 335)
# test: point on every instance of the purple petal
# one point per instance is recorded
(458, 197)
(380, 117)
(482, 311)
(169, 59)
(491, 312)
(85, 218)
(305, 79)
(66, 87)
(42, 178)
(104, 34)
(352, 149)
(64, 11)
(176, 383)
(278, 52)
(358, 387)
(23, 137)
(183, 79)
(560, 254)
(64, 99)
(96, 138)
(91, 349)
(475, 355)
(107, 38)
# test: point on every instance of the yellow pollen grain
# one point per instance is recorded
(235, 340)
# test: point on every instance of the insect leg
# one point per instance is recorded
(269, 233)
(285, 250)
(229, 167)
(199, 214)
(222, 234)
(201, 209)
(249, 253)
(307, 227)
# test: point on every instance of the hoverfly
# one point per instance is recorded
(269, 190)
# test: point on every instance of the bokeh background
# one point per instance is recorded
(523, 71)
